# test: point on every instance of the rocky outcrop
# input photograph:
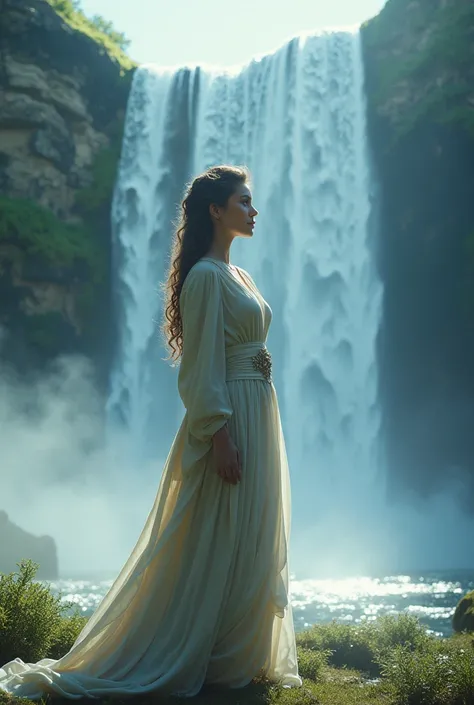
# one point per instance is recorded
(17, 545)
(419, 66)
(52, 122)
(62, 101)
(419, 59)
(463, 617)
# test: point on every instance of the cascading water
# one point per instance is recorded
(297, 119)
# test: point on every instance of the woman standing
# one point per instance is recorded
(203, 597)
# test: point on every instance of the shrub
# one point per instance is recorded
(311, 663)
(441, 673)
(30, 615)
(66, 634)
(349, 646)
(363, 646)
(399, 630)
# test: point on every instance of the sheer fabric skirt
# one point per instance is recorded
(203, 597)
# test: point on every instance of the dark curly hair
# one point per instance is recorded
(192, 240)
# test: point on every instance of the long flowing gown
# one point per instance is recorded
(203, 597)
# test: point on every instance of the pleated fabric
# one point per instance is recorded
(204, 595)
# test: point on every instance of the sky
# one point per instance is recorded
(222, 32)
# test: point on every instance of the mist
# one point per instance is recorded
(67, 475)
(64, 476)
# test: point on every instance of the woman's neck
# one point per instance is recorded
(223, 256)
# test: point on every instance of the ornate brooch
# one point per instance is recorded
(262, 362)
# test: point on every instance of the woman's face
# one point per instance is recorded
(238, 217)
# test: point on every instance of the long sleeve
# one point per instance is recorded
(202, 374)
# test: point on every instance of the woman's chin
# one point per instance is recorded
(245, 232)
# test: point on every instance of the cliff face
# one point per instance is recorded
(62, 100)
(17, 545)
(419, 58)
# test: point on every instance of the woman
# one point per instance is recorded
(203, 597)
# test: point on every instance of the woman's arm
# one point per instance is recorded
(202, 375)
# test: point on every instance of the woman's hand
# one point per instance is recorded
(226, 456)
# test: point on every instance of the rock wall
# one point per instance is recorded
(17, 544)
(62, 101)
(419, 58)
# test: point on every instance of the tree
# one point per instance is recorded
(107, 28)
(72, 9)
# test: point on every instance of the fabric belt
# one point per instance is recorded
(248, 361)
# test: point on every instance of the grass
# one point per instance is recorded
(391, 661)
(335, 688)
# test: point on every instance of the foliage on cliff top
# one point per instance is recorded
(424, 51)
(98, 28)
(41, 233)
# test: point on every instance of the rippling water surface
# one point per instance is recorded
(431, 597)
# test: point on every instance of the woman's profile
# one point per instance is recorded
(203, 597)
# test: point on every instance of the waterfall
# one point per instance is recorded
(297, 119)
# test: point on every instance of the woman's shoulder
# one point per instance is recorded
(205, 264)
(203, 272)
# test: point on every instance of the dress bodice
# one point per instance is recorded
(247, 316)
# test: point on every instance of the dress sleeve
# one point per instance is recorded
(202, 373)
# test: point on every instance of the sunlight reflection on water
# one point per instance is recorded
(430, 597)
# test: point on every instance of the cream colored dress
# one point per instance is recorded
(203, 597)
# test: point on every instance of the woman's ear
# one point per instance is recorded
(214, 211)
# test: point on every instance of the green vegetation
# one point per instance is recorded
(32, 621)
(361, 647)
(440, 674)
(38, 232)
(104, 172)
(94, 200)
(114, 43)
(93, 205)
(391, 661)
(51, 248)
(432, 62)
